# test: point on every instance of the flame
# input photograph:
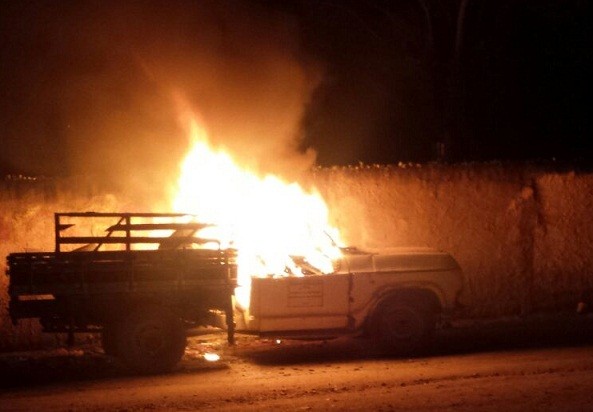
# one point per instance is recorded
(269, 221)
(211, 357)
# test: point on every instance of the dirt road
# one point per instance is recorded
(508, 366)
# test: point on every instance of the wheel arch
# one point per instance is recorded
(417, 294)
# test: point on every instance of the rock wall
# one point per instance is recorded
(520, 233)
(563, 237)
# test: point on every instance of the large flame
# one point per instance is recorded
(278, 228)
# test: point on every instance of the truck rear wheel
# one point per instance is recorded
(151, 340)
(404, 327)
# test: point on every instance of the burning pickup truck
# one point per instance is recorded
(394, 296)
(151, 277)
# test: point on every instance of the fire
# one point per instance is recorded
(211, 357)
(278, 228)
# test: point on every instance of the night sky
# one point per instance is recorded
(98, 87)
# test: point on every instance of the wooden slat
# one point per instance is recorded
(101, 214)
(136, 239)
(157, 226)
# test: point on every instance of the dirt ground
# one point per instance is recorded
(536, 363)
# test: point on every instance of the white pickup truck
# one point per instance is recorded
(395, 296)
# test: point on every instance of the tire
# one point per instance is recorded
(403, 327)
(151, 340)
(109, 340)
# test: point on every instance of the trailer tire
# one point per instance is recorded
(151, 340)
(403, 327)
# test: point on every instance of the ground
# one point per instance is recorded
(534, 363)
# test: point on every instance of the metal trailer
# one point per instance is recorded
(141, 301)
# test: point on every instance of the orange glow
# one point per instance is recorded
(268, 220)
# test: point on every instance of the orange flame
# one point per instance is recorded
(267, 220)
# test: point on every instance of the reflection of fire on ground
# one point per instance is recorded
(278, 228)
(205, 347)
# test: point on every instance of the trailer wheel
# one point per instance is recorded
(151, 340)
(404, 327)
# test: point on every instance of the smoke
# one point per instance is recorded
(96, 85)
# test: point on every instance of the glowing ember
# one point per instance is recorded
(211, 357)
(269, 222)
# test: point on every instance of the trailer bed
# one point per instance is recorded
(138, 259)
(87, 273)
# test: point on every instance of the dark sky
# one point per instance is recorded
(98, 87)
(519, 86)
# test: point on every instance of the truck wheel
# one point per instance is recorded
(109, 340)
(151, 340)
(404, 328)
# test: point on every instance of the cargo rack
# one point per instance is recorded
(126, 225)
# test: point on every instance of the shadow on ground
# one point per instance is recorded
(87, 362)
(537, 331)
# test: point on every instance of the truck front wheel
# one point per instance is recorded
(404, 327)
(151, 340)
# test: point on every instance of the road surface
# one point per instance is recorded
(510, 365)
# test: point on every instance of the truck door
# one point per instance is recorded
(310, 303)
